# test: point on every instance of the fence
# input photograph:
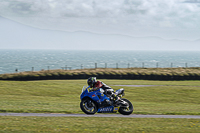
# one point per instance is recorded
(132, 65)
(121, 65)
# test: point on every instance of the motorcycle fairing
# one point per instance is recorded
(109, 109)
(97, 96)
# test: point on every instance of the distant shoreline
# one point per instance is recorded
(37, 60)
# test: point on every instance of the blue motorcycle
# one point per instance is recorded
(98, 101)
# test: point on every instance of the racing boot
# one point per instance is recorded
(115, 98)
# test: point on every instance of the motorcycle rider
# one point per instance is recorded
(96, 84)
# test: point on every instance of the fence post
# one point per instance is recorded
(128, 65)
(105, 65)
(186, 65)
(116, 65)
(95, 65)
(48, 68)
(171, 65)
(32, 69)
(81, 66)
(157, 64)
(142, 64)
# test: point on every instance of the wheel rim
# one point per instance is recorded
(89, 106)
(126, 109)
(129, 108)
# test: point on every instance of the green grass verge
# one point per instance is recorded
(63, 96)
(192, 73)
(10, 124)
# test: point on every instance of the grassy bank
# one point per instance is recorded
(63, 96)
(110, 73)
(111, 125)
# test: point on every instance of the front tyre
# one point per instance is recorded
(128, 110)
(88, 106)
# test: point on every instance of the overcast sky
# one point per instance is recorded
(117, 24)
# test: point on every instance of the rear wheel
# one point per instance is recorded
(88, 106)
(126, 110)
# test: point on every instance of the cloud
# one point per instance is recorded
(133, 17)
(192, 1)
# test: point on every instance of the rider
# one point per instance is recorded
(96, 84)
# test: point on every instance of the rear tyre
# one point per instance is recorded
(128, 110)
(88, 106)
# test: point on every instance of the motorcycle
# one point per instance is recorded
(98, 102)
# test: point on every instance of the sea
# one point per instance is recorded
(12, 61)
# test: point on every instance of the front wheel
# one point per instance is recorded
(88, 106)
(126, 110)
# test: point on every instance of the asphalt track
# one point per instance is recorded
(100, 115)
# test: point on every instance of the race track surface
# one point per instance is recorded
(100, 115)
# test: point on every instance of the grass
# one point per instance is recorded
(63, 96)
(93, 124)
(112, 73)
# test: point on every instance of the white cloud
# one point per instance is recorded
(132, 17)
